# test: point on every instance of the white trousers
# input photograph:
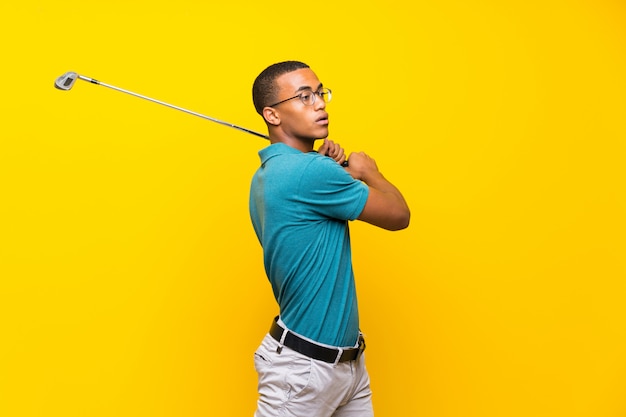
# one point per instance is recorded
(294, 385)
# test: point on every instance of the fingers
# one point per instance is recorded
(361, 165)
(333, 150)
(323, 150)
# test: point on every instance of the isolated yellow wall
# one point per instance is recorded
(131, 282)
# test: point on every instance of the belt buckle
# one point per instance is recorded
(361, 346)
(338, 358)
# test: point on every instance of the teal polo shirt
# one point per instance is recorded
(300, 205)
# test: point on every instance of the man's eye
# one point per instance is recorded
(306, 96)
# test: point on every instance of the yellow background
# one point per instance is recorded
(131, 280)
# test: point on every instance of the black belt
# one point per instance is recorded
(313, 350)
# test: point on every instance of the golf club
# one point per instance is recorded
(67, 80)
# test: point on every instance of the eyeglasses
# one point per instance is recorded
(308, 97)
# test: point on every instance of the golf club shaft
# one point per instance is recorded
(93, 81)
(67, 80)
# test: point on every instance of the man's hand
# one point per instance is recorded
(362, 166)
(333, 150)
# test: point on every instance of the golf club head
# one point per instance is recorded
(66, 81)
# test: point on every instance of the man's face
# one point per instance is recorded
(298, 120)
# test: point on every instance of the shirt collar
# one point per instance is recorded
(276, 149)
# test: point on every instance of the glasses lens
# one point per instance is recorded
(308, 97)
(326, 94)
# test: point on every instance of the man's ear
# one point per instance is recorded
(271, 116)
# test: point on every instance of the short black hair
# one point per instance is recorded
(264, 87)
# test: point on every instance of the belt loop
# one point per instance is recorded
(282, 341)
(339, 353)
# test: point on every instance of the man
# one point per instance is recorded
(310, 363)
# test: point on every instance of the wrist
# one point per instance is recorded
(372, 177)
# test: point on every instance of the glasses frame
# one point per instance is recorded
(321, 92)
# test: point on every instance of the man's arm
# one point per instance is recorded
(385, 206)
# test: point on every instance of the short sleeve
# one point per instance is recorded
(328, 190)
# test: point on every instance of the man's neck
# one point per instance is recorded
(299, 144)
